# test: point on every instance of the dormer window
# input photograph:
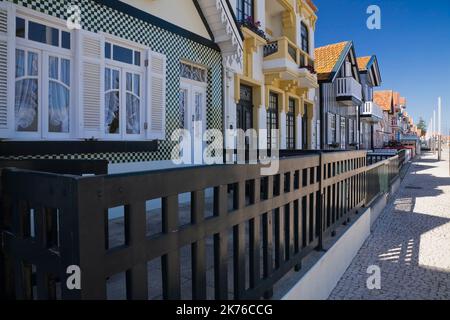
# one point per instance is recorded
(305, 38)
(245, 9)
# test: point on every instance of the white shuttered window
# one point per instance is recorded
(156, 95)
(7, 51)
(331, 125)
(90, 98)
(65, 70)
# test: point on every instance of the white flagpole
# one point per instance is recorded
(434, 131)
(439, 129)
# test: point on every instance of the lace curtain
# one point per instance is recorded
(112, 100)
(27, 91)
(59, 95)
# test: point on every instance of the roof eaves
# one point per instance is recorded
(340, 61)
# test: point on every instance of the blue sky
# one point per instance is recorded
(413, 46)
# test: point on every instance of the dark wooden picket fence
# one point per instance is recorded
(268, 223)
(376, 157)
(380, 177)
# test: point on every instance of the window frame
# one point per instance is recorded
(304, 38)
(194, 65)
(76, 119)
(333, 129)
(125, 68)
(290, 119)
(44, 51)
(241, 7)
(272, 116)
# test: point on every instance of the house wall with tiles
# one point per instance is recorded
(96, 17)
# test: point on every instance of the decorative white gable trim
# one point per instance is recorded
(225, 30)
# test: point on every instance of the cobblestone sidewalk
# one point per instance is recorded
(410, 241)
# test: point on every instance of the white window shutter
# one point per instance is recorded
(338, 128)
(7, 62)
(348, 69)
(90, 63)
(350, 131)
(329, 131)
(156, 95)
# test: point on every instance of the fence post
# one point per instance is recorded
(3, 268)
(81, 225)
(320, 202)
(69, 240)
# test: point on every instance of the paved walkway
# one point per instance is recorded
(410, 242)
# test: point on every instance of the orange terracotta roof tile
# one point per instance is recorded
(383, 99)
(327, 57)
(396, 99)
(362, 62)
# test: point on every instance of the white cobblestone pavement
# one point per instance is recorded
(410, 241)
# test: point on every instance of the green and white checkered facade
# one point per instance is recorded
(98, 18)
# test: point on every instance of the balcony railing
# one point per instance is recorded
(371, 109)
(348, 89)
(286, 48)
(270, 48)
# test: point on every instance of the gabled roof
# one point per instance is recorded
(384, 99)
(369, 65)
(363, 63)
(329, 58)
(396, 99)
(403, 101)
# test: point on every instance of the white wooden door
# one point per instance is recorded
(193, 119)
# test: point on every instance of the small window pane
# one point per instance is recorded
(203, 76)
(185, 71)
(108, 50)
(183, 104)
(123, 54)
(53, 67)
(115, 79)
(58, 108)
(36, 32)
(137, 58)
(65, 40)
(137, 84)
(26, 105)
(65, 71)
(32, 64)
(129, 82)
(192, 72)
(54, 41)
(112, 112)
(107, 79)
(133, 114)
(196, 74)
(112, 101)
(20, 28)
(20, 63)
(41, 33)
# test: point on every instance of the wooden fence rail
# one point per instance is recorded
(379, 178)
(260, 227)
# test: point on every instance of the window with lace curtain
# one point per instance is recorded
(123, 91)
(43, 80)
